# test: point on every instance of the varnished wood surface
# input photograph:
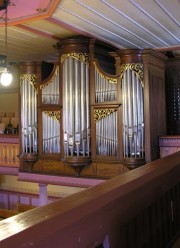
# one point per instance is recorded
(9, 138)
(86, 218)
(5, 213)
(169, 145)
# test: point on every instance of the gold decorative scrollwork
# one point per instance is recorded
(137, 68)
(83, 57)
(43, 86)
(99, 114)
(31, 78)
(53, 114)
(109, 79)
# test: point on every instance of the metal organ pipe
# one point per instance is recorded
(65, 105)
(87, 110)
(71, 99)
(83, 109)
(76, 106)
(23, 114)
(77, 98)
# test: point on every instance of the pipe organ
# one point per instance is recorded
(82, 113)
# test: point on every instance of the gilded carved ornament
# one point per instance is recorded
(99, 114)
(82, 57)
(109, 79)
(137, 68)
(53, 114)
(31, 78)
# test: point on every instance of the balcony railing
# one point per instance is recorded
(140, 208)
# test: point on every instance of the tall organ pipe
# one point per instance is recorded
(77, 97)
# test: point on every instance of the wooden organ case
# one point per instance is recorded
(88, 117)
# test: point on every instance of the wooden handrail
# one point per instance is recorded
(6, 213)
(140, 207)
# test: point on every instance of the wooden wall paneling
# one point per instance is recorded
(53, 166)
(154, 101)
(90, 170)
(108, 170)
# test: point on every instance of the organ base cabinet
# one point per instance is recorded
(97, 112)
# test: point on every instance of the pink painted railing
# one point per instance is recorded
(140, 208)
